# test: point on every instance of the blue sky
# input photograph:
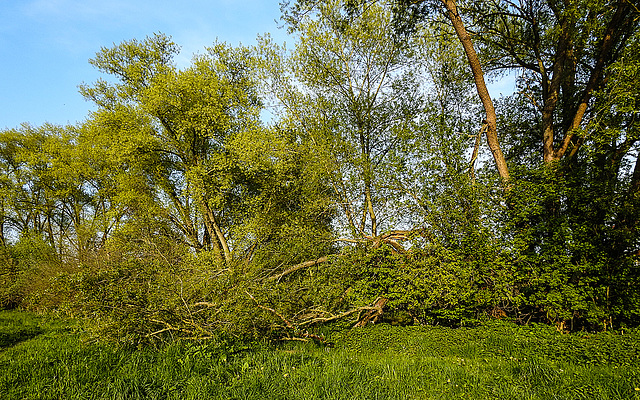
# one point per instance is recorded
(45, 45)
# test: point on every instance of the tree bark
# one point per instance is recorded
(474, 155)
(370, 210)
(299, 266)
(551, 92)
(634, 187)
(373, 314)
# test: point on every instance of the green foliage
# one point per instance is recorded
(27, 269)
(428, 286)
(151, 300)
(348, 92)
(567, 252)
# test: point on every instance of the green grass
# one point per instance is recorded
(42, 358)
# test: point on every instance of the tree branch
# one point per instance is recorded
(297, 267)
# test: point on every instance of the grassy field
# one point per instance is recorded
(43, 358)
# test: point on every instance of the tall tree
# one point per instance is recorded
(56, 188)
(194, 140)
(190, 116)
(564, 50)
(356, 101)
(406, 15)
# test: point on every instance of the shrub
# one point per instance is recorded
(26, 270)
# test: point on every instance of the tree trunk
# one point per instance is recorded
(370, 210)
(214, 230)
(373, 316)
(481, 87)
(615, 29)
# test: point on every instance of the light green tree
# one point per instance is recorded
(181, 122)
(53, 189)
(193, 136)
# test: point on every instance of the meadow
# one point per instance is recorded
(42, 357)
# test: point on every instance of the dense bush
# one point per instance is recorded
(26, 271)
(570, 262)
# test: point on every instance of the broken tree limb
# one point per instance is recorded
(392, 238)
(205, 304)
(374, 314)
(481, 88)
(168, 328)
(476, 148)
(271, 310)
(301, 336)
(336, 317)
(297, 267)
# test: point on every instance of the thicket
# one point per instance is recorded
(176, 210)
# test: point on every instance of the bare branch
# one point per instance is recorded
(299, 266)
(271, 310)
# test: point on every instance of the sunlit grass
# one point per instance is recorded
(48, 359)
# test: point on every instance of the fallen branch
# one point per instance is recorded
(168, 326)
(298, 267)
(391, 238)
(336, 317)
(286, 321)
(373, 315)
(297, 339)
(159, 332)
(205, 304)
(304, 337)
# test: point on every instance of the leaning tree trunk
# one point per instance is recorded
(481, 87)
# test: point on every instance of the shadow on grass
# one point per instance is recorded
(8, 339)
(17, 327)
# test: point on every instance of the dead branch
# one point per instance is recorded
(350, 240)
(159, 332)
(297, 267)
(271, 310)
(294, 338)
(335, 317)
(205, 304)
(476, 147)
(392, 238)
(396, 235)
(371, 314)
(304, 337)
(168, 327)
(374, 314)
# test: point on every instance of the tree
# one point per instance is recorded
(55, 189)
(405, 15)
(187, 119)
(571, 140)
(223, 181)
(570, 55)
(355, 99)
(589, 37)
